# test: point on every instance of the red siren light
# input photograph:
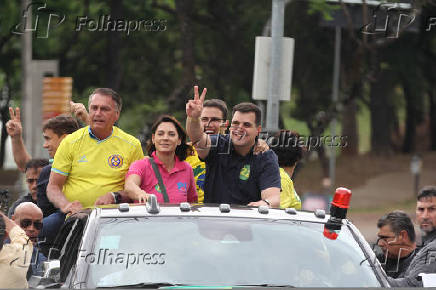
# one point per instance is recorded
(330, 234)
(338, 212)
(342, 197)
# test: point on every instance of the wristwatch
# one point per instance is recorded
(267, 202)
(117, 196)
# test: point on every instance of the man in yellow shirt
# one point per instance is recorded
(289, 152)
(90, 164)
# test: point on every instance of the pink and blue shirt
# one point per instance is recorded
(179, 182)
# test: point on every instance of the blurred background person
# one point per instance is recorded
(32, 170)
(287, 147)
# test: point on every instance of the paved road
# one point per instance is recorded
(382, 194)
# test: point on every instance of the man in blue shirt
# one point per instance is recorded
(233, 173)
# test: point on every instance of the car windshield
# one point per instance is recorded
(211, 251)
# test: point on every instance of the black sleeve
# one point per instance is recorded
(42, 200)
(270, 174)
(219, 144)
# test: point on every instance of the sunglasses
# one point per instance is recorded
(25, 223)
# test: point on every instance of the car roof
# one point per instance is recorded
(210, 210)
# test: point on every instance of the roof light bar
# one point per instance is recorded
(123, 207)
(224, 208)
(263, 209)
(185, 206)
(152, 205)
(290, 210)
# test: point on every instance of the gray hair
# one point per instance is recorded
(110, 93)
(398, 221)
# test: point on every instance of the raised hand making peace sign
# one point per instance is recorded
(13, 126)
(195, 106)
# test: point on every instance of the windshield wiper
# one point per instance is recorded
(157, 285)
(152, 285)
(265, 285)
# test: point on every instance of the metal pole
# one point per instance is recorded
(272, 111)
(336, 67)
(26, 85)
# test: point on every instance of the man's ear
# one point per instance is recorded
(403, 236)
(63, 136)
(259, 129)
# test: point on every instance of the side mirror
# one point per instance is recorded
(50, 278)
(52, 269)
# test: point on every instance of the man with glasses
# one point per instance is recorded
(214, 121)
(233, 173)
(425, 259)
(396, 238)
(29, 217)
(32, 170)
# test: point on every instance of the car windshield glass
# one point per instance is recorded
(223, 251)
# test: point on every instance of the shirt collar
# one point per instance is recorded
(92, 135)
(178, 165)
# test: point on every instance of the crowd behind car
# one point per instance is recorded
(224, 162)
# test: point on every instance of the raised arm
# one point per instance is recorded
(57, 197)
(15, 130)
(80, 111)
(200, 140)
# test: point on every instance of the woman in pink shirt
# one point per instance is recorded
(168, 149)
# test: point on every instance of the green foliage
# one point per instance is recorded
(322, 7)
(134, 119)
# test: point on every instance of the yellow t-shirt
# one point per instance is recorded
(95, 167)
(199, 169)
(288, 195)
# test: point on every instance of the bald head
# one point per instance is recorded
(29, 217)
(27, 207)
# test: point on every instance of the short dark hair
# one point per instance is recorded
(398, 221)
(427, 191)
(182, 150)
(287, 147)
(248, 108)
(61, 125)
(107, 92)
(219, 104)
(36, 163)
